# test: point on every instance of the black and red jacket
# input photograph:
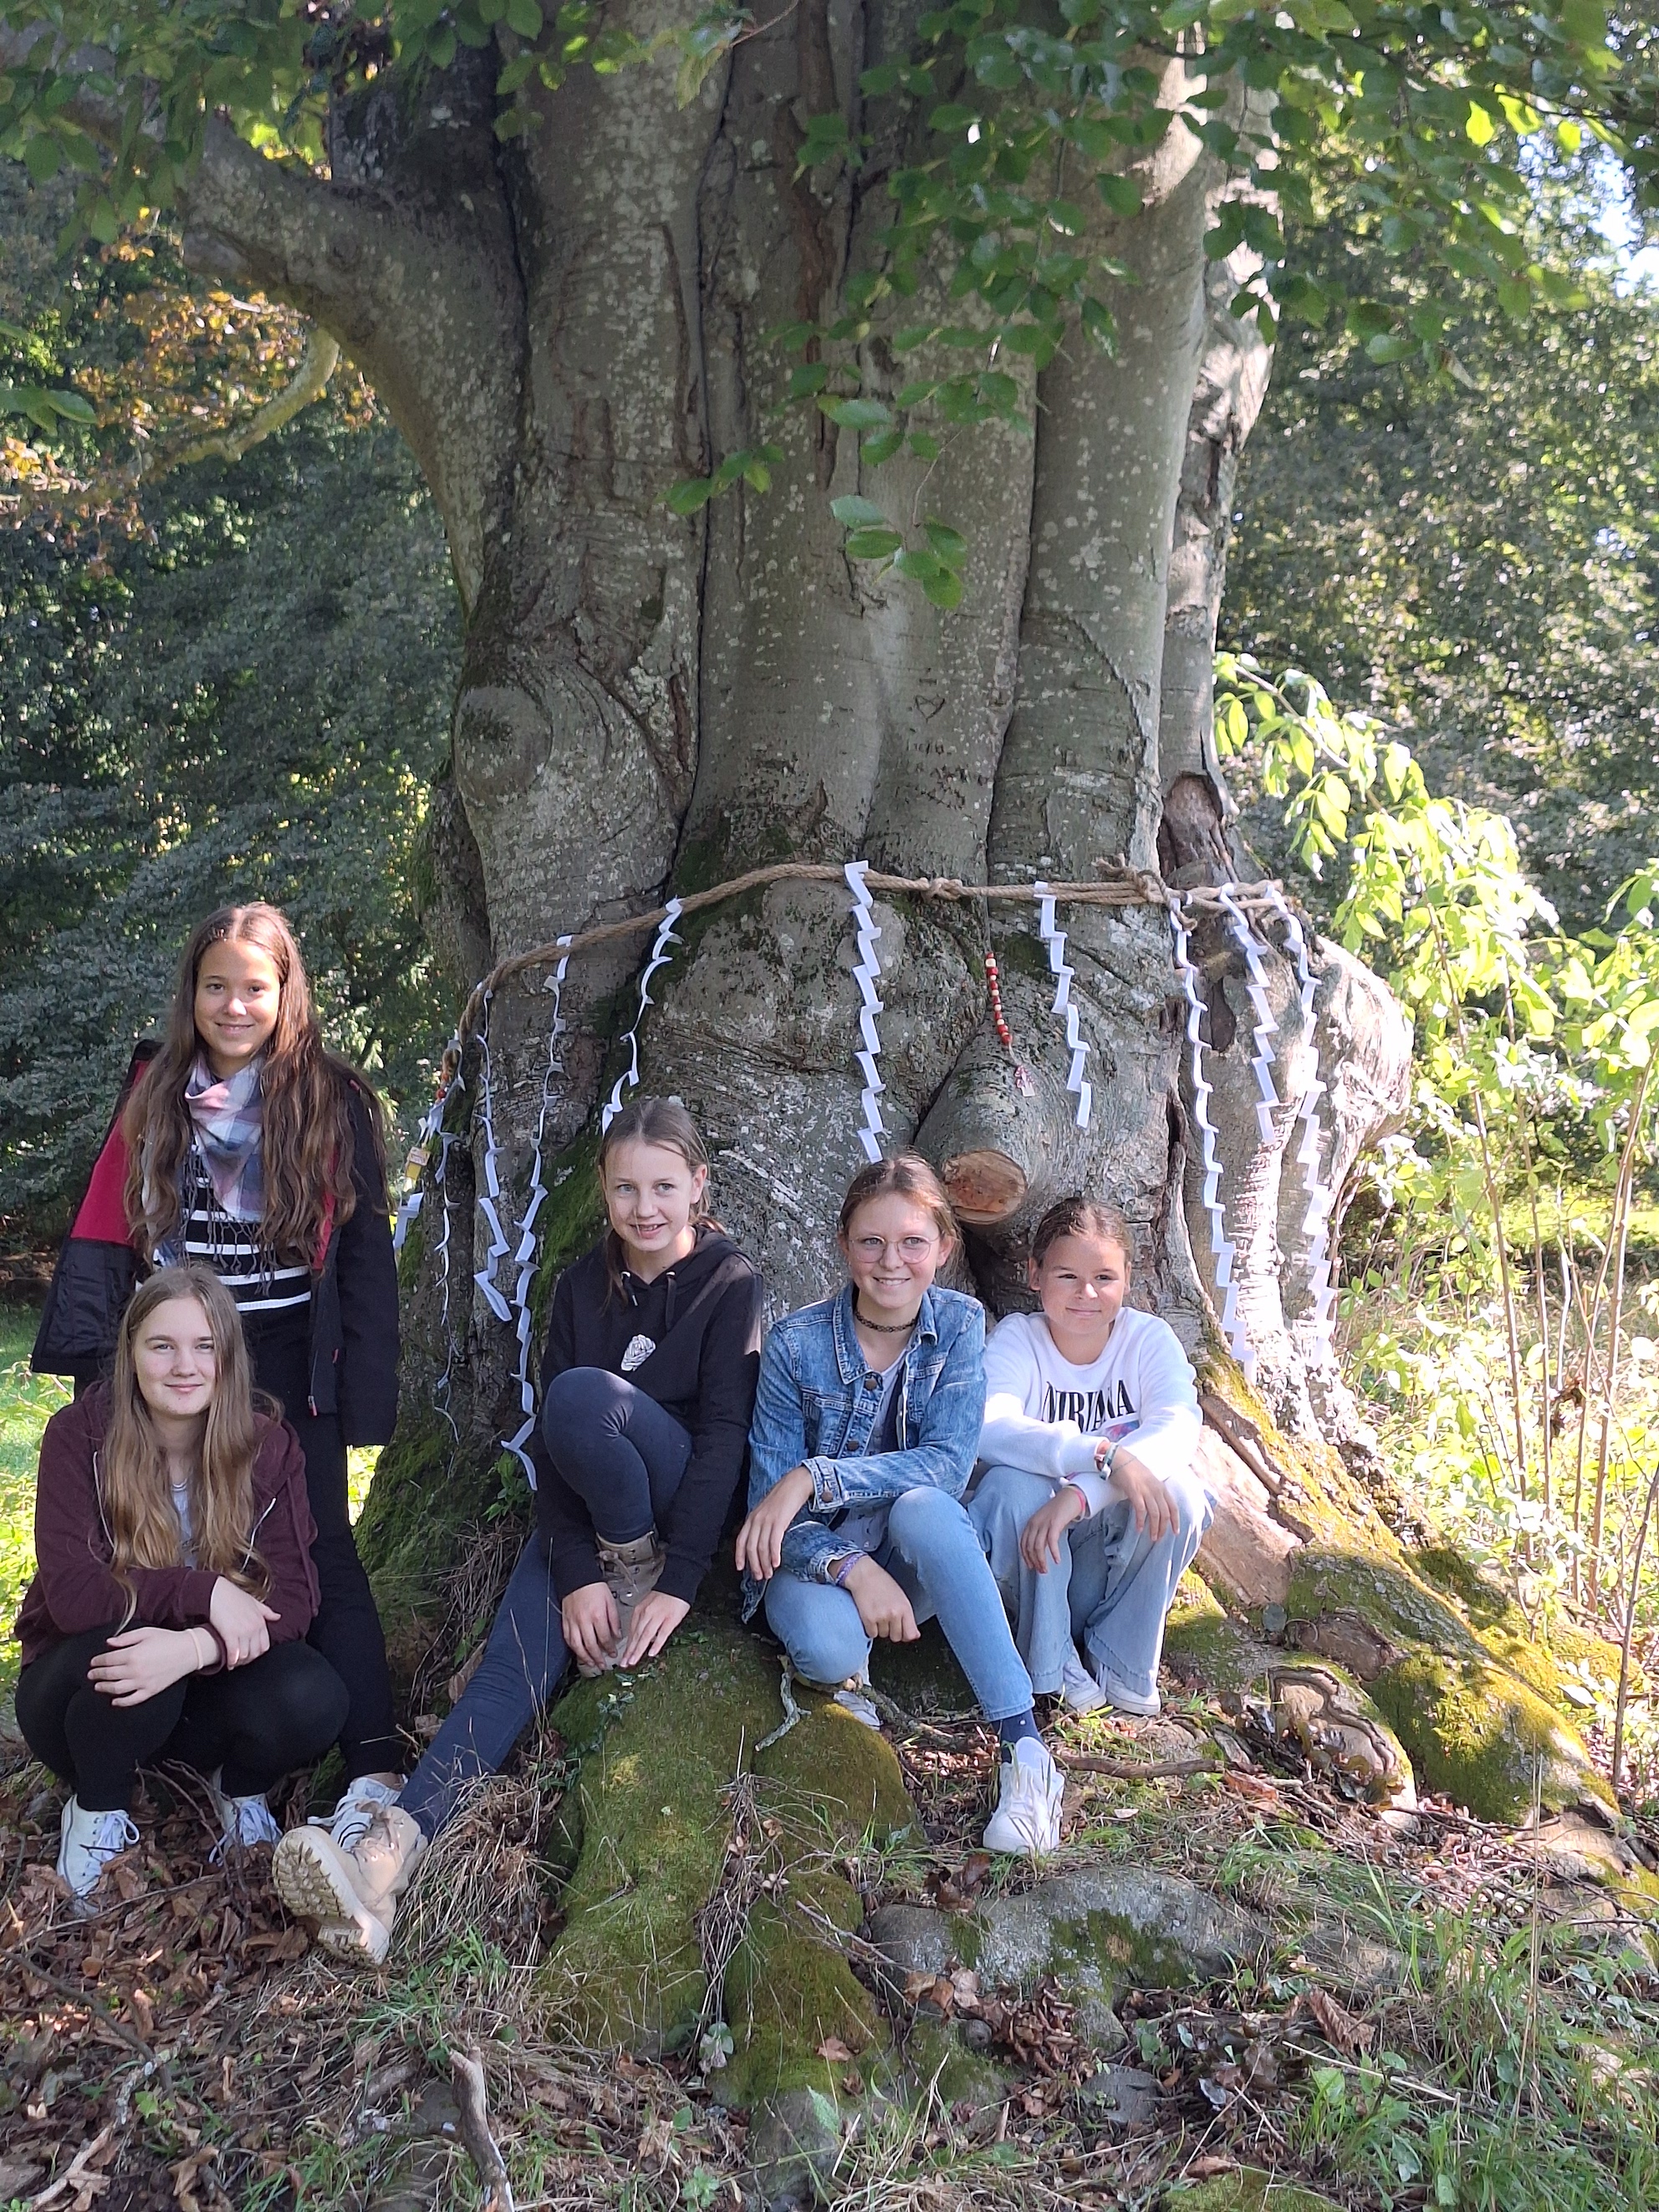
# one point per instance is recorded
(353, 1289)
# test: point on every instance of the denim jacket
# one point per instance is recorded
(816, 1407)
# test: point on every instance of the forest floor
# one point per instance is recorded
(1444, 2015)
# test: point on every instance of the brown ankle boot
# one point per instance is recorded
(632, 1571)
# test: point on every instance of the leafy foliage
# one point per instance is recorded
(1476, 561)
(250, 705)
(1023, 137)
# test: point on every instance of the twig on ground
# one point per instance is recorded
(791, 1712)
(895, 1716)
(1130, 1769)
(483, 2148)
(96, 2006)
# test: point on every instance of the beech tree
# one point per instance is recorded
(834, 417)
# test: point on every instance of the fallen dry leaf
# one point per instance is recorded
(1339, 2026)
(835, 2050)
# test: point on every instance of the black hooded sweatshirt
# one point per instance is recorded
(703, 1315)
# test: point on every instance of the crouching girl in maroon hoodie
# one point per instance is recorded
(173, 1583)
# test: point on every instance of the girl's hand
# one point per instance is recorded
(1044, 1536)
(1151, 1502)
(141, 1663)
(883, 1607)
(760, 1540)
(588, 1616)
(241, 1620)
(655, 1619)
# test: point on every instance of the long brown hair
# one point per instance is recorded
(1083, 1217)
(906, 1175)
(135, 1487)
(305, 1136)
(650, 1121)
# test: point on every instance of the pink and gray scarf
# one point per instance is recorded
(227, 1117)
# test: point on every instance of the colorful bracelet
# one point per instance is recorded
(840, 1575)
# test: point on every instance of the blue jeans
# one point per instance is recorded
(933, 1552)
(623, 1458)
(1110, 1589)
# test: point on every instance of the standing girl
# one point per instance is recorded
(246, 1146)
(1089, 1507)
(647, 1384)
(866, 1422)
(173, 1583)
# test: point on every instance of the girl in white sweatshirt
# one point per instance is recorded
(1088, 1507)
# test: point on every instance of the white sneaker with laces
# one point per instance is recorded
(1079, 1692)
(349, 1822)
(87, 1844)
(1031, 1792)
(853, 1701)
(244, 1821)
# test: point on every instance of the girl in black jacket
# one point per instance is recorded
(242, 1144)
(647, 1386)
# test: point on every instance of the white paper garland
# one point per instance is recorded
(489, 1197)
(1076, 1043)
(525, 1258)
(660, 956)
(1266, 1027)
(867, 976)
(1221, 1245)
(1321, 1199)
(420, 1152)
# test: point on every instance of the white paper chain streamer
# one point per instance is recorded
(441, 1389)
(1266, 1027)
(1321, 1199)
(867, 976)
(525, 1258)
(630, 1078)
(420, 1152)
(1054, 938)
(1220, 1245)
(489, 1197)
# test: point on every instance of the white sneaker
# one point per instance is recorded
(87, 1844)
(1031, 1792)
(1128, 1701)
(245, 1822)
(352, 1895)
(855, 1702)
(349, 1822)
(1079, 1692)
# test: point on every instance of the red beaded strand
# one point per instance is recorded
(998, 1018)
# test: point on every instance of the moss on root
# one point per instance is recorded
(1203, 1643)
(845, 1775)
(1246, 2189)
(1483, 1738)
(406, 1545)
(656, 1748)
(788, 1990)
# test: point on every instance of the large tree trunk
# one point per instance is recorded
(564, 327)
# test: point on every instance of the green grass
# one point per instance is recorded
(27, 1402)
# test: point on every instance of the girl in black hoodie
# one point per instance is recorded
(647, 1387)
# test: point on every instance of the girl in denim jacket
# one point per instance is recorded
(866, 1423)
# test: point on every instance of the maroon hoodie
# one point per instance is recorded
(74, 1589)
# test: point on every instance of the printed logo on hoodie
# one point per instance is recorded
(1093, 1411)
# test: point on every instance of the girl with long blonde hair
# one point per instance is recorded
(243, 1145)
(173, 1584)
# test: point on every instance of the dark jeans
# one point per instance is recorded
(347, 1629)
(624, 1457)
(258, 1722)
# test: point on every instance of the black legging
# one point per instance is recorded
(347, 1629)
(258, 1722)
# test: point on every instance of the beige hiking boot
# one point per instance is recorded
(632, 1571)
(352, 1895)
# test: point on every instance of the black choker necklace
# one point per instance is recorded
(887, 1327)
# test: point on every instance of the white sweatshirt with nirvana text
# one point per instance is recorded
(1045, 1415)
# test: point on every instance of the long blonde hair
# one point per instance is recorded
(306, 1134)
(134, 1488)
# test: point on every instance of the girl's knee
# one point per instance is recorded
(1192, 1503)
(819, 1627)
(576, 1394)
(920, 1519)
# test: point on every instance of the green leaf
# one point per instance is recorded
(524, 17)
(857, 414)
(1120, 194)
(1478, 127)
(882, 447)
(950, 544)
(872, 545)
(809, 378)
(854, 514)
(1391, 346)
(687, 497)
(42, 157)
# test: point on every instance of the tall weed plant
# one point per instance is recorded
(1502, 1302)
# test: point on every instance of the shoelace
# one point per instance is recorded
(116, 1832)
(350, 1820)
